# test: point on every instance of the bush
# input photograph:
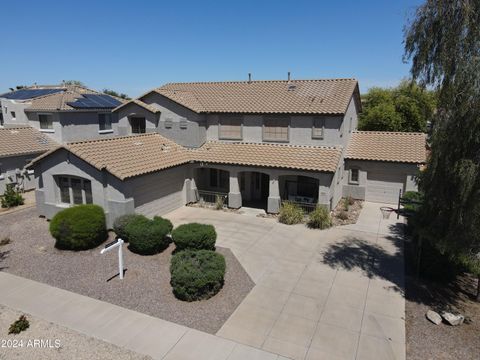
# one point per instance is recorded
(290, 213)
(319, 218)
(343, 215)
(11, 197)
(350, 200)
(194, 236)
(148, 237)
(19, 325)
(80, 227)
(120, 224)
(197, 274)
(219, 202)
(413, 196)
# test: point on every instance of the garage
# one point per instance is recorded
(384, 187)
(159, 193)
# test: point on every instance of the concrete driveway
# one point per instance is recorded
(332, 294)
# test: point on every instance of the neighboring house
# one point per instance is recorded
(257, 143)
(18, 147)
(65, 113)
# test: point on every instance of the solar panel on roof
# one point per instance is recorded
(24, 94)
(94, 101)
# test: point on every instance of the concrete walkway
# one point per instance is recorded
(332, 294)
(126, 328)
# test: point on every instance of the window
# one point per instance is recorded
(12, 113)
(275, 129)
(354, 174)
(1, 118)
(105, 122)
(183, 123)
(213, 177)
(230, 127)
(74, 190)
(219, 179)
(168, 123)
(45, 121)
(341, 129)
(138, 125)
(318, 128)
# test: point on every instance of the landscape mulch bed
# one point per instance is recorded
(145, 288)
(425, 340)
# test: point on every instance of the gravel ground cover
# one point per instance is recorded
(145, 288)
(59, 343)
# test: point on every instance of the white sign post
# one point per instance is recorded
(111, 246)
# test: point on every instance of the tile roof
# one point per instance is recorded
(59, 101)
(387, 146)
(23, 141)
(313, 158)
(140, 103)
(135, 155)
(128, 156)
(327, 96)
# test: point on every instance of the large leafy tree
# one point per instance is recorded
(407, 107)
(443, 43)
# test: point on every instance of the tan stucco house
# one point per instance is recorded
(255, 142)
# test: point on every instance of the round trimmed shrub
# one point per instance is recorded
(194, 236)
(80, 227)
(197, 274)
(148, 237)
(167, 222)
(121, 223)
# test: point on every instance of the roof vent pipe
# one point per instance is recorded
(289, 76)
(249, 77)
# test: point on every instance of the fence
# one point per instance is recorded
(306, 207)
(210, 197)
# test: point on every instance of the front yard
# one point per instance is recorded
(146, 287)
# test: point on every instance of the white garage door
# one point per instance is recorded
(159, 193)
(384, 187)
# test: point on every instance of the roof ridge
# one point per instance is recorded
(114, 138)
(256, 81)
(271, 144)
(388, 132)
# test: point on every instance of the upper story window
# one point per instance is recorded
(354, 176)
(275, 129)
(45, 121)
(138, 125)
(341, 128)
(1, 119)
(75, 190)
(318, 128)
(230, 128)
(105, 122)
(13, 115)
(183, 124)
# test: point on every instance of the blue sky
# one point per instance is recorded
(133, 46)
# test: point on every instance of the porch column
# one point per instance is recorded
(234, 195)
(274, 201)
(191, 187)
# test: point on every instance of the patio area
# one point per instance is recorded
(334, 294)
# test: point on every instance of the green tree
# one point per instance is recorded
(407, 107)
(114, 93)
(443, 43)
(74, 82)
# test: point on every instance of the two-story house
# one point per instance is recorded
(63, 113)
(255, 142)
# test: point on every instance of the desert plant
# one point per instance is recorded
(319, 218)
(80, 227)
(11, 197)
(290, 213)
(197, 274)
(194, 236)
(120, 224)
(19, 325)
(350, 200)
(219, 202)
(342, 215)
(148, 237)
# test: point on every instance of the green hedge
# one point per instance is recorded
(80, 227)
(194, 236)
(290, 213)
(120, 224)
(147, 237)
(319, 218)
(197, 274)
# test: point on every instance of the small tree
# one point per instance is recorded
(11, 197)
